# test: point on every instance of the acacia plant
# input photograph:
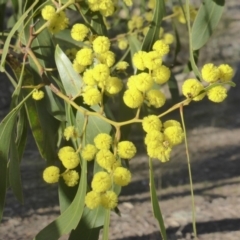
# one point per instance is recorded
(70, 62)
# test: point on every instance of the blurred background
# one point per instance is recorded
(213, 132)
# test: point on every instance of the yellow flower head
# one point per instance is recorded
(164, 154)
(122, 65)
(84, 57)
(155, 98)
(152, 60)
(210, 73)
(150, 123)
(101, 44)
(154, 138)
(145, 31)
(191, 89)
(226, 72)
(138, 60)
(79, 32)
(93, 199)
(51, 174)
(101, 182)
(122, 176)
(180, 14)
(143, 81)
(109, 200)
(107, 58)
(69, 132)
(94, 5)
(171, 123)
(113, 85)
(69, 157)
(92, 96)
(174, 135)
(106, 7)
(108, 11)
(58, 22)
(133, 98)
(151, 4)
(78, 67)
(217, 94)
(122, 43)
(160, 152)
(168, 38)
(88, 78)
(103, 141)
(101, 72)
(38, 95)
(128, 2)
(105, 159)
(149, 16)
(132, 82)
(71, 178)
(126, 149)
(161, 75)
(161, 47)
(48, 12)
(88, 153)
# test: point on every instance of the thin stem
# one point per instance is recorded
(176, 106)
(171, 16)
(88, 113)
(190, 174)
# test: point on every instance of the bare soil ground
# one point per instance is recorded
(214, 145)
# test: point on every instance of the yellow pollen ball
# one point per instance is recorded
(122, 176)
(155, 98)
(48, 12)
(109, 200)
(103, 141)
(93, 199)
(133, 98)
(69, 157)
(71, 178)
(79, 32)
(84, 57)
(150, 123)
(89, 151)
(70, 132)
(122, 65)
(143, 82)
(38, 95)
(101, 44)
(217, 94)
(152, 60)
(107, 58)
(51, 174)
(126, 149)
(210, 73)
(174, 135)
(101, 182)
(101, 72)
(105, 159)
(138, 60)
(161, 75)
(191, 88)
(226, 72)
(113, 85)
(161, 47)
